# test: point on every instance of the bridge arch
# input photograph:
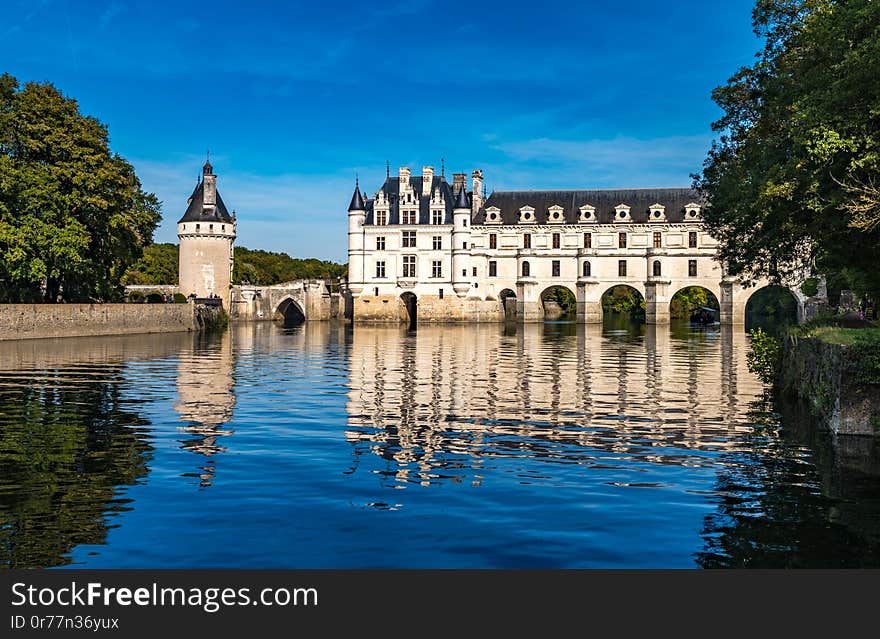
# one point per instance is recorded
(772, 305)
(507, 297)
(624, 299)
(289, 312)
(558, 300)
(411, 307)
(687, 300)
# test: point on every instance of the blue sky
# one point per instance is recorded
(295, 98)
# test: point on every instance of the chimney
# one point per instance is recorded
(477, 200)
(427, 179)
(403, 177)
(459, 181)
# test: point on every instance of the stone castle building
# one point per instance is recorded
(206, 233)
(423, 248)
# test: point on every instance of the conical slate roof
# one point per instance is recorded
(198, 212)
(357, 200)
(461, 200)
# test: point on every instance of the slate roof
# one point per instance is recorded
(357, 201)
(392, 192)
(604, 201)
(196, 211)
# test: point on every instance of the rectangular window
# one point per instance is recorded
(493, 268)
(409, 265)
(381, 218)
(380, 269)
(409, 239)
(409, 217)
(441, 293)
(692, 239)
(588, 240)
(436, 217)
(436, 268)
(621, 240)
(621, 268)
(437, 242)
(475, 271)
(658, 239)
(692, 268)
(380, 243)
(555, 267)
(556, 240)
(527, 240)
(464, 245)
(464, 272)
(493, 241)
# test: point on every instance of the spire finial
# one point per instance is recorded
(443, 167)
(387, 169)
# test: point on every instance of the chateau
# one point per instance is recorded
(423, 249)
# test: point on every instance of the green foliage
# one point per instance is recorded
(158, 265)
(265, 268)
(764, 356)
(689, 299)
(73, 216)
(810, 286)
(136, 297)
(564, 297)
(179, 298)
(624, 300)
(154, 298)
(773, 309)
(798, 158)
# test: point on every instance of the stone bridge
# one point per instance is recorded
(290, 302)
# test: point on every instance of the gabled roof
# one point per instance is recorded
(392, 192)
(197, 212)
(604, 200)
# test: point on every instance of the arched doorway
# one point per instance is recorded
(696, 305)
(559, 303)
(623, 304)
(508, 303)
(411, 303)
(772, 309)
(289, 313)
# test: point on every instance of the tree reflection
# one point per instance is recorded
(67, 443)
(770, 514)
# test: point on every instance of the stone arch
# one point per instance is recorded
(564, 304)
(289, 312)
(507, 297)
(697, 315)
(626, 304)
(411, 307)
(789, 309)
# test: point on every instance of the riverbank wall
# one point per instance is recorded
(834, 382)
(36, 321)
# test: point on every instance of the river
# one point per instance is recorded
(458, 446)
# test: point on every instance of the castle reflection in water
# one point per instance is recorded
(422, 399)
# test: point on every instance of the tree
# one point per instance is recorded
(793, 180)
(157, 266)
(73, 216)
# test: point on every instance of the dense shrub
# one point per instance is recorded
(764, 356)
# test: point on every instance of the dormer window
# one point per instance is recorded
(527, 215)
(621, 213)
(555, 215)
(657, 213)
(692, 212)
(381, 218)
(436, 217)
(587, 213)
(493, 215)
(409, 217)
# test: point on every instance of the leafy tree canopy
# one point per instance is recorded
(73, 216)
(160, 261)
(795, 175)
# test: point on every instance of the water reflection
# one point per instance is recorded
(206, 398)
(70, 439)
(437, 402)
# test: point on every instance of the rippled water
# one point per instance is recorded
(550, 445)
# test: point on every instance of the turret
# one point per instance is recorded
(461, 242)
(206, 234)
(356, 217)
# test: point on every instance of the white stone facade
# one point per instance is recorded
(421, 241)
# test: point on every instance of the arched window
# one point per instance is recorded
(526, 269)
(657, 268)
(587, 269)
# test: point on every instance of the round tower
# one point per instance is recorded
(461, 242)
(356, 215)
(206, 233)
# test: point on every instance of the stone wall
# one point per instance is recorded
(30, 321)
(820, 374)
(430, 308)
